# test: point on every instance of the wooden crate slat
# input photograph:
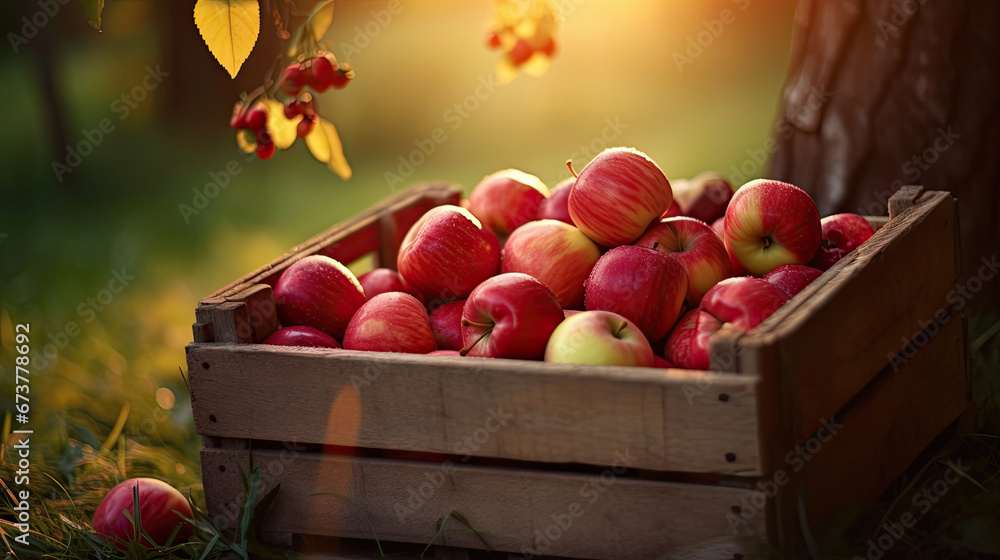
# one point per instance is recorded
(836, 337)
(507, 505)
(884, 429)
(673, 420)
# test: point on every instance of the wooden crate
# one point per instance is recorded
(821, 406)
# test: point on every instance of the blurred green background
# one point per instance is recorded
(62, 240)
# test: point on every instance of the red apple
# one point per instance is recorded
(556, 206)
(645, 286)
(301, 335)
(660, 363)
(444, 353)
(567, 313)
(318, 292)
(446, 324)
(673, 210)
(792, 278)
(687, 346)
(600, 338)
(391, 322)
(719, 227)
(160, 509)
(842, 233)
(770, 223)
(745, 302)
(447, 253)
(705, 198)
(617, 196)
(696, 247)
(510, 316)
(556, 253)
(507, 199)
(383, 280)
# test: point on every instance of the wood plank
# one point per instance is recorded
(884, 429)
(432, 193)
(834, 337)
(672, 420)
(519, 511)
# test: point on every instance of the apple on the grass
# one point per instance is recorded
(301, 335)
(793, 278)
(770, 223)
(556, 253)
(643, 285)
(160, 509)
(506, 200)
(842, 233)
(687, 346)
(447, 253)
(696, 247)
(705, 197)
(745, 302)
(509, 316)
(318, 292)
(556, 206)
(617, 195)
(446, 324)
(600, 338)
(384, 280)
(391, 322)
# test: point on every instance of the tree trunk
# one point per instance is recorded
(883, 93)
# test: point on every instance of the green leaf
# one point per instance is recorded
(92, 9)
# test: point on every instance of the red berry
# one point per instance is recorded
(323, 73)
(256, 118)
(239, 118)
(520, 53)
(294, 78)
(549, 48)
(265, 151)
(304, 127)
(493, 40)
(340, 81)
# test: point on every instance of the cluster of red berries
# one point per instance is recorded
(320, 73)
(254, 119)
(522, 49)
(303, 105)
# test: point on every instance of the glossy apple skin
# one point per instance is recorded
(842, 233)
(446, 324)
(556, 206)
(444, 353)
(719, 227)
(687, 346)
(506, 200)
(318, 292)
(706, 198)
(696, 248)
(792, 278)
(770, 223)
(447, 253)
(660, 363)
(567, 313)
(599, 338)
(391, 322)
(617, 195)
(745, 302)
(510, 316)
(384, 280)
(157, 503)
(645, 286)
(300, 335)
(556, 253)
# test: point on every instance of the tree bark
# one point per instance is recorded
(883, 93)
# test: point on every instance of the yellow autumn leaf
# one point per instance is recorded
(321, 19)
(324, 143)
(229, 28)
(92, 9)
(281, 129)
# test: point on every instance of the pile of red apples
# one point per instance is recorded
(612, 267)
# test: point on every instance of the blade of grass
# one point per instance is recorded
(378, 544)
(116, 430)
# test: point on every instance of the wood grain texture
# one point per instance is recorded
(837, 334)
(519, 511)
(353, 238)
(884, 429)
(672, 420)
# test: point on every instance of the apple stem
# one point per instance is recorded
(467, 349)
(569, 164)
(656, 244)
(468, 323)
(767, 242)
